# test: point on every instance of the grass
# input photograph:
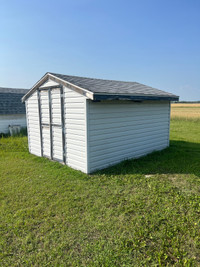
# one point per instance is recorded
(143, 212)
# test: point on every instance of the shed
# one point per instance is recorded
(12, 110)
(90, 124)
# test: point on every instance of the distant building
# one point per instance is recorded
(12, 110)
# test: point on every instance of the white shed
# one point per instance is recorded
(12, 110)
(90, 124)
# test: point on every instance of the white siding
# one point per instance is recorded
(75, 124)
(46, 141)
(44, 100)
(56, 119)
(13, 119)
(120, 130)
(57, 143)
(49, 83)
(56, 106)
(33, 126)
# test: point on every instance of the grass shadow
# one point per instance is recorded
(180, 157)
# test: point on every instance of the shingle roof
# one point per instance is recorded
(10, 100)
(100, 89)
(111, 87)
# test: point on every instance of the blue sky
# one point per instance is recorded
(155, 42)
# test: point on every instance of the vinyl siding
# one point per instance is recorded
(57, 143)
(13, 119)
(75, 123)
(56, 119)
(33, 126)
(75, 126)
(121, 130)
(49, 83)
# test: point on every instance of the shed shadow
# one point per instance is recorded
(180, 157)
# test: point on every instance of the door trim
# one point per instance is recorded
(40, 121)
(50, 124)
(63, 122)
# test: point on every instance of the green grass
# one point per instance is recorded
(143, 212)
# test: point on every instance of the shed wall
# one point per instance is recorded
(75, 123)
(121, 130)
(13, 119)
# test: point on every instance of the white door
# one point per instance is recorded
(51, 111)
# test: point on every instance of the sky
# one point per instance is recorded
(154, 42)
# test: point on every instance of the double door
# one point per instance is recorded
(52, 123)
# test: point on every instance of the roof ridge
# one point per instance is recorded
(2, 87)
(128, 82)
(53, 73)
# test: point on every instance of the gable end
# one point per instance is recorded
(49, 76)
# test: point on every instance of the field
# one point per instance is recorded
(186, 111)
(143, 212)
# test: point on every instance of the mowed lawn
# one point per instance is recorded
(143, 212)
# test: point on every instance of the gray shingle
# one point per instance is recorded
(111, 87)
(10, 100)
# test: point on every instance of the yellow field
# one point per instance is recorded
(184, 110)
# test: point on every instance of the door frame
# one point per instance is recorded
(50, 124)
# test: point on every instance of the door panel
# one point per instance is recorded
(52, 123)
(57, 143)
(44, 100)
(46, 141)
(56, 106)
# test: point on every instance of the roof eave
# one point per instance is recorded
(98, 97)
